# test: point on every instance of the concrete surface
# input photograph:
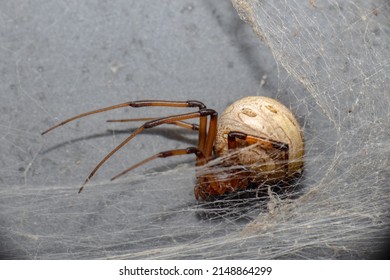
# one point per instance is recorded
(61, 58)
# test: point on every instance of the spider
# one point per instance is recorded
(262, 136)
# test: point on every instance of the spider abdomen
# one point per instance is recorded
(267, 119)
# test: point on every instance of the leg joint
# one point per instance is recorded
(194, 150)
(238, 135)
(195, 103)
(207, 112)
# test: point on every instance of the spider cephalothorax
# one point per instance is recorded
(271, 135)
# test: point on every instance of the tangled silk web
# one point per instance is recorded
(339, 51)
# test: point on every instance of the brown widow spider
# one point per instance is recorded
(272, 135)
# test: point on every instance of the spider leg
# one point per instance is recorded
(264, 142)
(134, 104)
(182, 124)
(178, 152)
(199, 114)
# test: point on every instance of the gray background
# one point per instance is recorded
(61, 58)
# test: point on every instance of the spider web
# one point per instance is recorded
(336, 50)
(332, 70)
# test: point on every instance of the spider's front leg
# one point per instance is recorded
(206, 135)
(134, 104)
(205, 145)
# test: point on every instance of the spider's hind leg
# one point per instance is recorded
(190, 150)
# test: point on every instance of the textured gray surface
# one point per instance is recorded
(60, 58)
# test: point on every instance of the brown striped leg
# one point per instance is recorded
(210, 136)
(178, 152)
(182, 124)
(134, 104)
